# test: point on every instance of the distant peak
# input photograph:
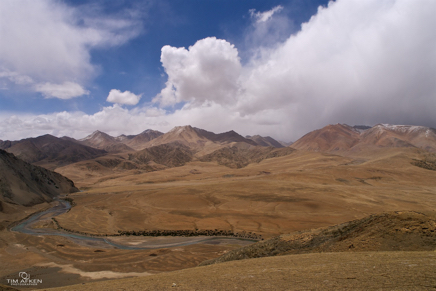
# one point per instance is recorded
(97, 132)
(179, 129)
(93, 135)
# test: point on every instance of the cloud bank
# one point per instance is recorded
(47, 44)
(355, 62)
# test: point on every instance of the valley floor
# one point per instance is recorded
(276, 196)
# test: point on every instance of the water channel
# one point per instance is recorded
(28, 227)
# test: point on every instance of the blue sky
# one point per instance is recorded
(278, 68)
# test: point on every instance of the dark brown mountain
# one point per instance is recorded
(266, 141)
(25, 184)
(50, 151)
(225, 137)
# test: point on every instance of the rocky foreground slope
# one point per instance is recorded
(392, 231)
(25, 184)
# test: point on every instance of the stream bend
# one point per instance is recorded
(63, 206)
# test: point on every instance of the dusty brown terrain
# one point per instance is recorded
(324, 271)
(392, 231)
(277, 196)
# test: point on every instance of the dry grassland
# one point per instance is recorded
(276, 196)
(325, 271)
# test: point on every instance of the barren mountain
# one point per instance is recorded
(197, 139)
(171, 155)
(329, 138)
(342, 137)
(103, 141)
(185, 135)
(139, 142)
(265, 141)
(25, 184)
(50, 151)
(240, 155)
(98, 140)
(225, 137)
(385, 135)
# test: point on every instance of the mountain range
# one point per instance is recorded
(150, 150)
(342, 137)
(153, 150)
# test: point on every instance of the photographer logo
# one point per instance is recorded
(24, 280)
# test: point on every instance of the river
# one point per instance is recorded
(62, 206)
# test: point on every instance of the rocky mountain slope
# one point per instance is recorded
(342, 137)
(265, 141)
(175, 148)
(25, 184)
(240, 155)
(122, 143)
(139, 141)
(170, 154)
(50, 151)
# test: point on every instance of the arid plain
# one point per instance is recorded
(276, 196)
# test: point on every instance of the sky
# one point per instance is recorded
(278, 68)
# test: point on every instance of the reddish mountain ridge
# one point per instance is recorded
(330, 138)
(342, 137)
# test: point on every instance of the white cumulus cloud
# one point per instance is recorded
(126, 97)
(47, 41)
(207, 71)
